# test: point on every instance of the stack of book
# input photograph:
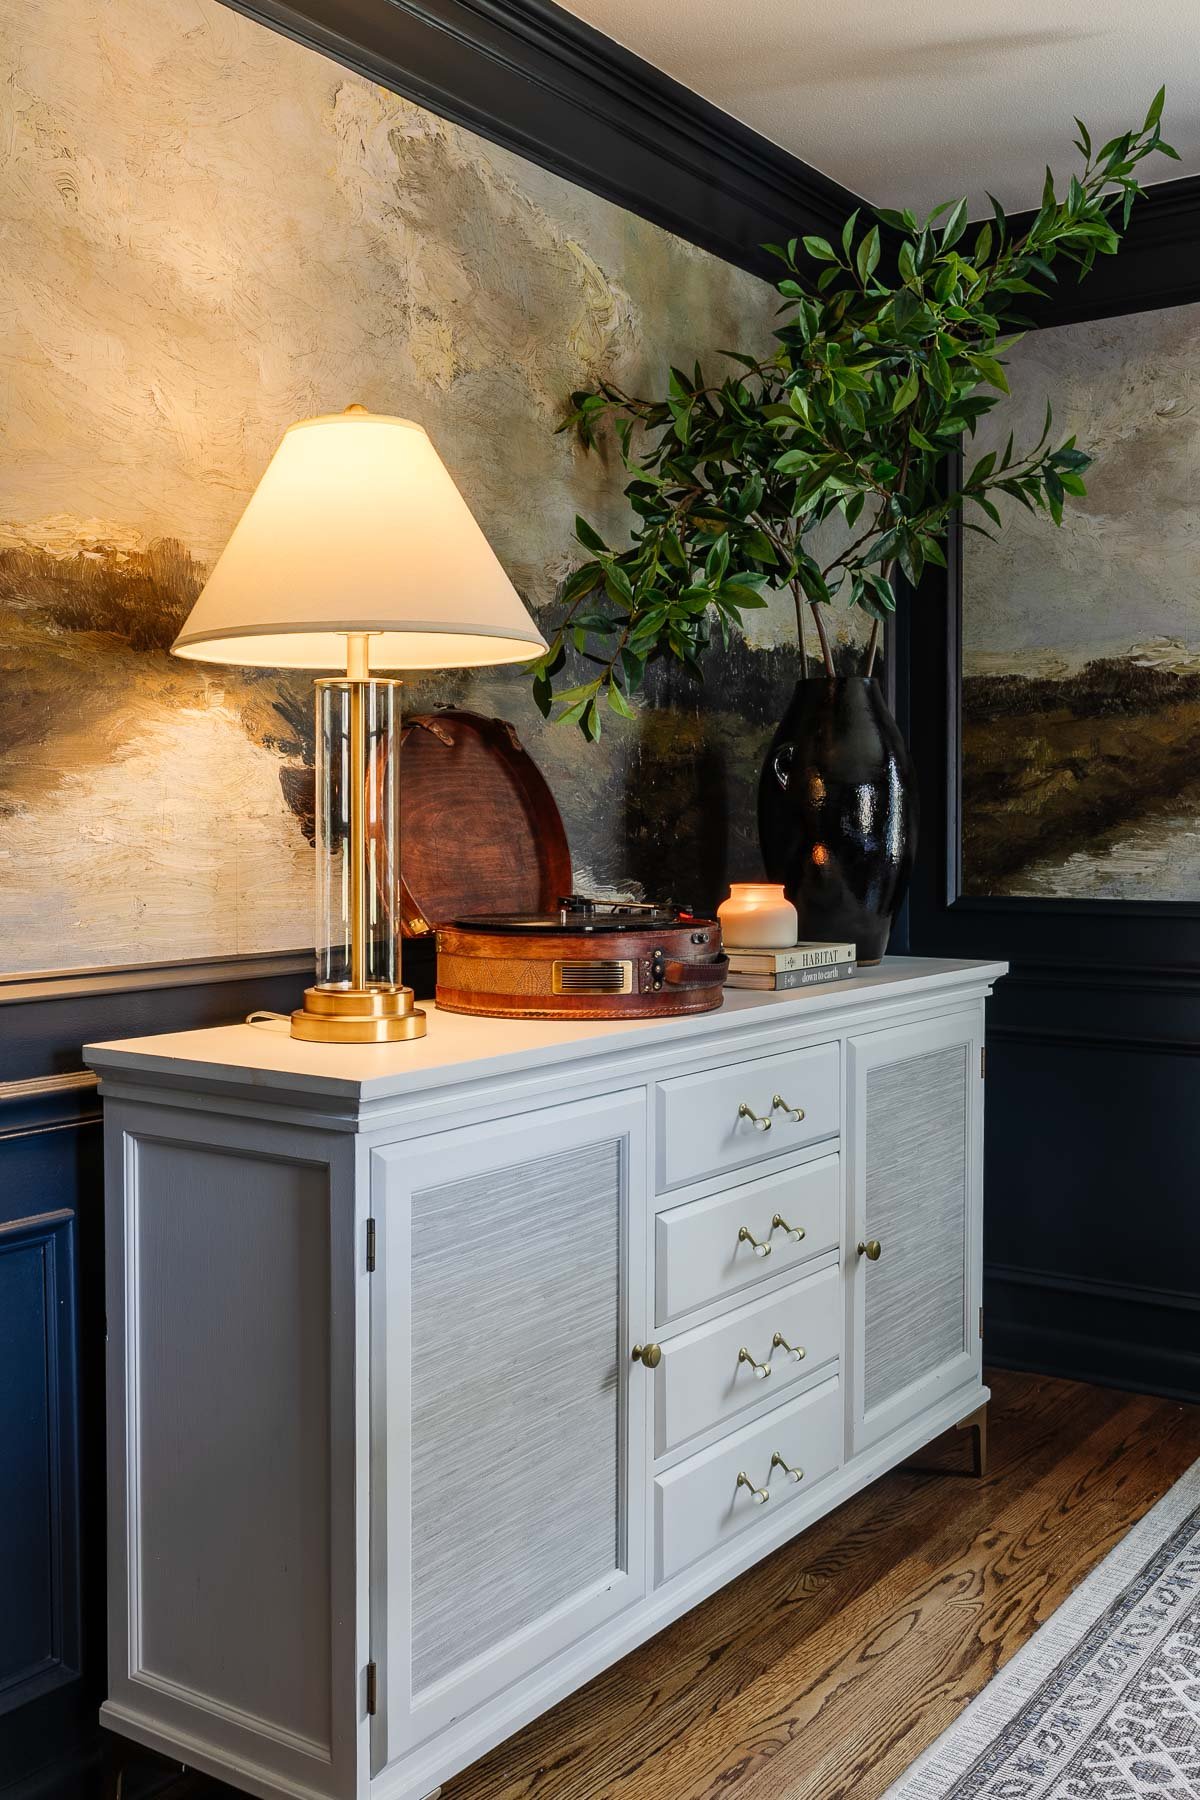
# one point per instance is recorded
(791, 966)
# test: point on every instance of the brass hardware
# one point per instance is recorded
(761, 1370)
(744, 1112)
(981, 1321)
(777, 1462)
(797, 1352)
(370, 1246)
(872, 1249)
(759, 1496)
(649, 1355)
(795, 1232)
(779, 1104)
(614, 976)
(372, 1687)
(746, 1236)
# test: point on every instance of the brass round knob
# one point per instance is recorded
(649, 1355)
(872, 1249)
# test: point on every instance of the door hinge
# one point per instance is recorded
(370, 1246)
(981, 1321)
(983, 1060)
(372, 1687)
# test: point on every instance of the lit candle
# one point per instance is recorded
(758, 913)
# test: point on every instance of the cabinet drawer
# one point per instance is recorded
(700, 1504)
(702, 1131)
(703, 1378)
(699, 1255)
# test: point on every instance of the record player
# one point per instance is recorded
(488, 871)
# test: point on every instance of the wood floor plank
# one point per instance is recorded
(826, 1669)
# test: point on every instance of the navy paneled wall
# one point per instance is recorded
(52, 1524)
(1092, 1236)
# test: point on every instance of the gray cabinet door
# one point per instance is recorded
(509, 1420)
(916, 1114)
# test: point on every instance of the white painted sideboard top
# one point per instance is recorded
(254, 1058)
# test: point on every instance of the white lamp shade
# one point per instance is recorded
(357, 527)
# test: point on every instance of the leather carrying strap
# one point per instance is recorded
(709, 973)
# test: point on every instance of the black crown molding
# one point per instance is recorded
(1156, 265)
(540, 82)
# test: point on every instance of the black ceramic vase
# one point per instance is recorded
(837, 812)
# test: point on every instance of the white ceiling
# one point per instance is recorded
(910, 102)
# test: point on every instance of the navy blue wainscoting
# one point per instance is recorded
(50, 1237)
(52, 1417)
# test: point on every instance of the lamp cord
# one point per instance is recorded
(268, 1020)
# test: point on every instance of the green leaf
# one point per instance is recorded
(848, 231)
(866, 259)
(820, 249)
(906, 393)
(1155, 112)
(618, 703)
(718, 558)
(991, 371)
(906, 263)
(591, 540)
(581, 581)
(955, 225)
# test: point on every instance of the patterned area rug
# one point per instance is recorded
(1103, 1702)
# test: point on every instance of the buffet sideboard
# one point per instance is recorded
(441, 1375)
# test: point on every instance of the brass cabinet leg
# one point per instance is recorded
(976, 1423)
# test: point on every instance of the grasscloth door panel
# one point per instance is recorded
(508, 1432)
(915, 1115)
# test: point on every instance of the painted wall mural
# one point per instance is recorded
(1081, 647)
(208, 233)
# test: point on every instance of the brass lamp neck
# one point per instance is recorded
(358, 656)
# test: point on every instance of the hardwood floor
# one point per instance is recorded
(824, 1672)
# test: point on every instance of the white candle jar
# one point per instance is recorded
(757, 914)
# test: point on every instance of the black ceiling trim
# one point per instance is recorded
(535, 79)
(1158, 263)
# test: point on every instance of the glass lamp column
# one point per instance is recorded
(358, 997)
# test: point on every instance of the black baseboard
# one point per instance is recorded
(1143, 1339)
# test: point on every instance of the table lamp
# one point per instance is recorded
(357, 549)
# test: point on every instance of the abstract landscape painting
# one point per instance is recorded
(1081, 647)
(210, 232)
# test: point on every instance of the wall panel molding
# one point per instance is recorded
(1093, 1132)
(537, 80)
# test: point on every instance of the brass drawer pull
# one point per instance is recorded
(649, 1355)
(795, 1232)
(872, 1249)
(797, 1352)
(779, 1104)
(759, 1496)
(761, 1370)
(746, 1236)
(777, 1462)
(744, 1112)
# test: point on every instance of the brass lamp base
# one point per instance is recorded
(369, 1015)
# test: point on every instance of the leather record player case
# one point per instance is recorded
(487, 867)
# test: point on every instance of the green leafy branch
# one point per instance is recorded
(890, 352)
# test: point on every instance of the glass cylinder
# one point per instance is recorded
(358, 834)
